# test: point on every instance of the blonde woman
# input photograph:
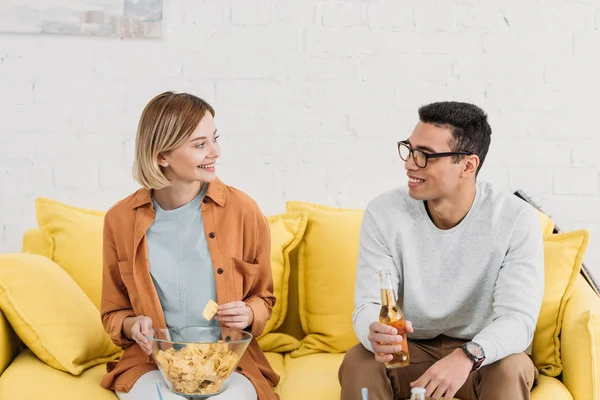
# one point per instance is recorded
(182, 239)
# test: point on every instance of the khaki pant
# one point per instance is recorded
(510, 378)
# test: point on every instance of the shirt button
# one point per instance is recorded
(211, 235)
(220, 271)
(205, 200)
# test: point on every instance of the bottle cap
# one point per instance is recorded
(417, 390)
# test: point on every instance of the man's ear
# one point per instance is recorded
(471, 165)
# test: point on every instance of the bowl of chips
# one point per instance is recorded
(198, 361)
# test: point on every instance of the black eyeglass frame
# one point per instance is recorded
(427, 155)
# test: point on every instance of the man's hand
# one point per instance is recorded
(235, 315)
(385, 340)
(444, 378)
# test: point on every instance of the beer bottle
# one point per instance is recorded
(417, 393)
(391, 315)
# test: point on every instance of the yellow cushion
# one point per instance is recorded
(35, 242)
(28, 378)
(276, 362)
(286, 233)
(563, 254)
(52, 315)
(278, 342)
(313, 377)
(9, 343)
(580, 341)
(547, 223)
(326, 272)
(551, 389)
(75, 237)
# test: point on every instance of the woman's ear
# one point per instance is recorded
(162, 160)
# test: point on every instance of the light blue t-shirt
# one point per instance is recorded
(180, 264)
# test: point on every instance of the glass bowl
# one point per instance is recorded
(198, 361)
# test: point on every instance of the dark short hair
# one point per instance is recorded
(468, 124)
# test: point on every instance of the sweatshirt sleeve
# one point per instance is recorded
(518, 292)
(373, 256)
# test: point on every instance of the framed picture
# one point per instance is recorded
(118, 18)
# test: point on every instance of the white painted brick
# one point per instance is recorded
(15, 92)
(405, 68)
(577, 71)
(194, 13)
(507, 124)
(565, 16)
(351, 96)
(307, 93)
(495, 67)
(566, 208)
(350, 41)
(515, 44)
(585, 153)
(299, 66)
(390, 14)
(295, 13)
(411, 96)
(266, 190)
(438, 16)
(496, 176)
(252, 12)
(533, 181)
(116, 176)
(529, 153)
(306, 183)
(75, 175)
(250, 93)
(392, 125)
(342, 13)
(235, 65)
(587, 43)
(342, 184)
(254, 38)
(576, 181)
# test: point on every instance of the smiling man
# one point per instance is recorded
(467, 262)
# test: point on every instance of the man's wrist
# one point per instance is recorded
(468, 362)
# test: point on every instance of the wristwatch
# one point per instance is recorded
(475, 353)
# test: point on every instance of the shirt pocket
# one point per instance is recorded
(244, 275)
(126, 271)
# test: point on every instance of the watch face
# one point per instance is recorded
(475, 349)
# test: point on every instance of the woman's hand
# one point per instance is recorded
(136, 328)
(235, 315)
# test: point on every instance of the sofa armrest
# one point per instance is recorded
(580, 342)
(9, 344)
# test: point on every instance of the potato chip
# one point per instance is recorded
(210, 309)
(197, 368)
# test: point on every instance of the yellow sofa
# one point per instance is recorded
(308, 345)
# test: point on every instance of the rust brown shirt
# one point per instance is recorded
(239, 243)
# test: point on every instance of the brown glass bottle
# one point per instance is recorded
(391, 315)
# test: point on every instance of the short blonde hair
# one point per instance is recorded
(167, 121)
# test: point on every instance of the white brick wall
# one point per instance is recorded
(311, 97)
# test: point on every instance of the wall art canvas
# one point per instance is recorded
(119, 18)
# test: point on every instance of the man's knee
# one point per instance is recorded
(516, 367)
(357, 361)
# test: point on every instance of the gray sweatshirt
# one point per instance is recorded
(482, 280)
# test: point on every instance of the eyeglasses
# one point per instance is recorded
(419, 157)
